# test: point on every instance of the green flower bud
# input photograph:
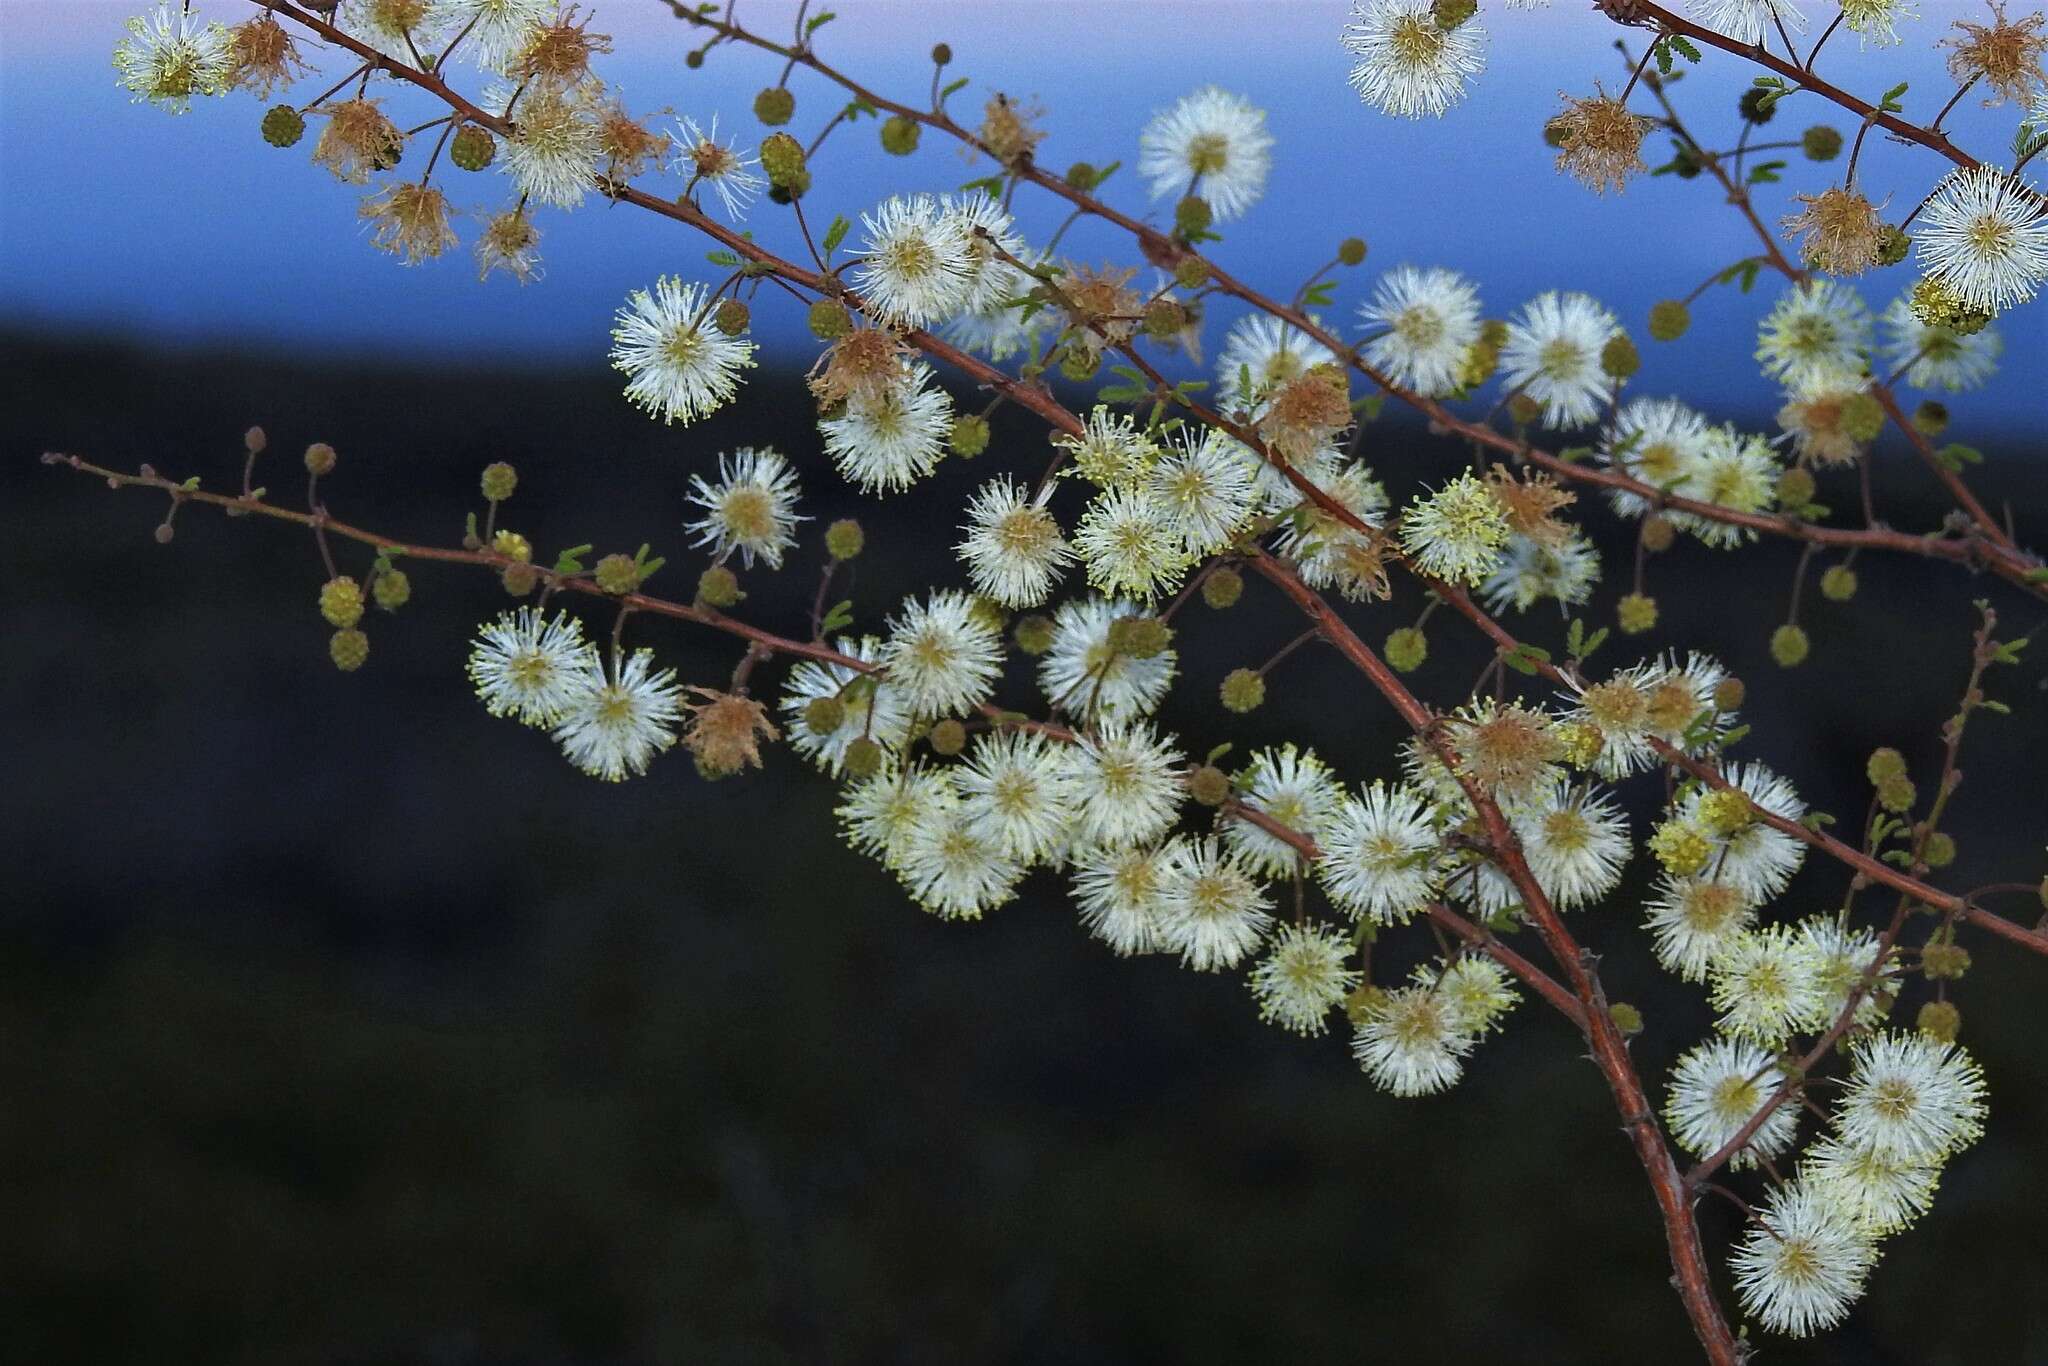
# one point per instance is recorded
(1944, 962)
(392, 589)
(1681, 847)
(1930, 418)
(829, 320)
(1935, 304)
(1164, 318)
(1524, 411)
(1795, 487)
(519, 579)
(782, 157)
(844, 540)
(1081, 176)
(1191, 215)
(1033, 634)
(320, 458)
(948, 737)
(1884, 764)
(1243, 690)
(863, 758)
(1351, 251)
(1940, 852)
(1406, 648)
(1940, 1020)
(1140, 637)
(1222, 588)
(1669, 318)
(941, 54)
(283, 126)
(472, 148)
(899, 135)
(1626, 1018)
(1191, 272)
(1728, 694)
(1635, 613)
(1838, 584)
(1209, 785)
(348, 648)
(341, 602)
(1862, 417)
(1789, 646)
(1896, 794)
(774, 106)
(969, 436)
(1756, 106)
(618, 574)
(255, 441)
(499, 481)
(718, 587)
(731, 316)
(1448, 14)
(1658, 533)
(823, 715)
(1892, 245)
(512, 546)
(1724, 811)
(1820, 143)
(1619, 357)
(1078, 363)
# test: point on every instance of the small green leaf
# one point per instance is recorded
(956, 85)
(835, 233)
(838, 619)
(1218, 752)
(818, 21)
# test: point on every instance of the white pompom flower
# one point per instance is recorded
(1296, 789)
(1411, 1041)
(1911, 1097)
(1552, 354)
(1213, 910)
(1018, 786)
(616, 721)
(892, 435)
(171, 54)
(1984, 234)
(1127, 783)
(1409, 64)
(1767, 985)
(1716, 1089)
(1431, 319)
(1803, 1262)
(1380, 856)
(1820, 327)
(955, 866)
(1013, 549)
(1119, 894)
(530, 666)
(916, 269)
(1213, 144)
(1085, 675)
(750, 510)
(870, 707)
(1302, 976)
(679, 366)
(942, 654)
(1939, 357)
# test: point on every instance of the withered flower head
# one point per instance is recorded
(358, 139)
(1599, 141)
(1531, 503)
(725, 731)
(1307, 411)
(1842, 232)
(2005, 54)
(264, 56)
(1101, 306)
(560, 51)
(627, 143)
(1006, 129)
(862, 363)
(411, 222)
(510, 243)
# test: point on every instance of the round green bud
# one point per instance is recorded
(1940, 1020)
(1862, 417)
(829, 320)
(1795, 487)
(1351, 251)
(1223, 587)
(823, 715)
(941, 54)
(1728, 694)
(948, 737)
(1191, 272)
(1892, 245)
(1945, 962)
(1554, 130)
(844, 540)
(1669, 318)
(1524, 411)
(472, 148)
(1406, 648)
(164, 533)
(793, 191)
(1191, 215)
(1033, 634)
(341, 601)
(1626, 1018)
(731, 316)
(1079, 363)
(1243, 690)
(1937, 305)
(1081, 176)
(863, 758)
(348, 648)
(1930, 418)
(987, 613)
(1896, 794)
(694, 58)
(1209, 785)
(1789, 646)
(1884, 764)
(1619, 358)
(283, 126)
(774, 106)
(1940, 852)
(618, 574)
(1658, 533)
(392, 589)
(899, 135)
(969, 436)
(255, 441)
(1164, 318)
(320, 458)
(499, 481)
(1448, 14)
(718, 587)
(1635, 613)
(512, 546)
(1756, 107)
(1140, 637)
(1820, 143)
(1838, 584)
(519, 579)
(782, 157)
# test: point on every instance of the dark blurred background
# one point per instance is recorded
(344, 1024)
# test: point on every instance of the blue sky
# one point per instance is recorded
(192, 230)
